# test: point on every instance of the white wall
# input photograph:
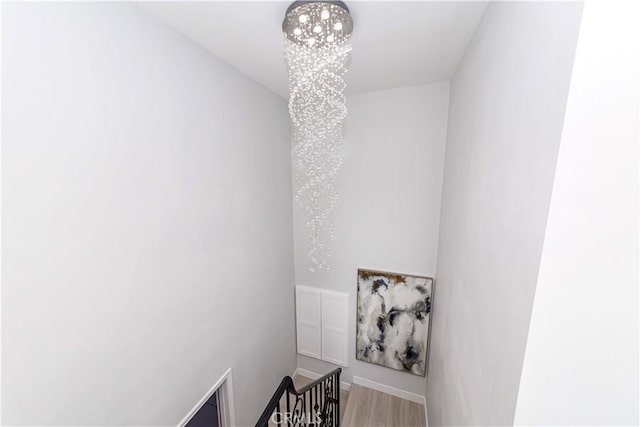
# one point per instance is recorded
(581, 362)
(147, 222)
(505, 119)
(388, 214)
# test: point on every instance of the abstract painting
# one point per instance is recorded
(393, 320)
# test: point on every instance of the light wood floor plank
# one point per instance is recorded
(379, 408)
(371, 408)
(357, 410)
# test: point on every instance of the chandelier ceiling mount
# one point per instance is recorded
(317, 24)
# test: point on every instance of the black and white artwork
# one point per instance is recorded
(393, 320)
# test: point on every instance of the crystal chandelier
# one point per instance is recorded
(316, 44)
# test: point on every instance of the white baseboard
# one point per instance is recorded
(426, 418)
(314, 376)
(390, 390)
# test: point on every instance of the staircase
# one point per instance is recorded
(315, 404)
(360, 406)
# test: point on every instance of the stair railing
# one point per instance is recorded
(317, 404)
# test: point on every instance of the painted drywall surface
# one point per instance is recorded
(388, 214)
(147, 222)
(505, 120)
(581, 362)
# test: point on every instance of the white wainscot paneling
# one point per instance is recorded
(308, 321)
(334, 327)
(322, 324)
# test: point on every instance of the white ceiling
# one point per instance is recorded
(394, 43)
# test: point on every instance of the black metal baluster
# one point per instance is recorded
(288, 414)
(320, 402)
(338, 399)
(324, 402)
(327, 409)
(314, 402)
(315, 414)
(309, 419)
(333, 401)
(324, 395)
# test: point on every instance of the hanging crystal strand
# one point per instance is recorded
(317, 106)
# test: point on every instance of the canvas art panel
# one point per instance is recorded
(393, 319)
